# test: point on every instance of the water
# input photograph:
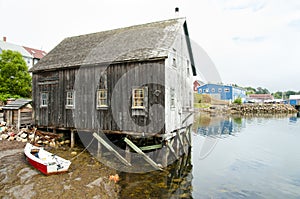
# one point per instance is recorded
(254, 157)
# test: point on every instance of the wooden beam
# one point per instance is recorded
(72, 139)
(147, 148)
(110, 148)
(139, 151)
(169, 145)
(180, 141)
(19, 119)
(187, 137)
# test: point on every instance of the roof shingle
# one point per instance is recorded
(140, 42)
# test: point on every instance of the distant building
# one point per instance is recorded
(197, 83)
(37, 54)
(30, 55)
(294, 100)
(223, 92)
(260, 98)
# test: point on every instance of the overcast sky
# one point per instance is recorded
(251, 42)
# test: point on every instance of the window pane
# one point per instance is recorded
(102, 98)
(138, 98)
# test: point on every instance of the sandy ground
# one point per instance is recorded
(86, 178)
(6, 145)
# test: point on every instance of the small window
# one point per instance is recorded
(138, 96)
(213, 90)
(172, 97)
(102, 98)
(226, 90)
(70, 99)
(44, 99)
(200, 90)
(220, 90)
(174, 62)
(207, 90)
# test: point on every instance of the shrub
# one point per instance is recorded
(238, 101)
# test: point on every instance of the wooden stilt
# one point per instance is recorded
(72, 139)
(127, 153)
(165, 157)
(190, 134)
(169, 145)
(99, 151)
(139, 151)
(187, 137)
(180, 141)
(110, 148)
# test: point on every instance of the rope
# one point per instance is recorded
(83, 150)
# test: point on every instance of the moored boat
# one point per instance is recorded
(45, 161)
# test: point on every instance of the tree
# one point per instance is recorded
(261, 90)
(278, 95)
(14, 76)
(250, 90)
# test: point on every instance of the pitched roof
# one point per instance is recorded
(261, 96)
(17, 104)
(39, 54)
(9, 46)
(140, 42)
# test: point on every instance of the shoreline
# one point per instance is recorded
(249, 109)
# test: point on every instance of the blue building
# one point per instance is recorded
(294, 100)
(223, 92)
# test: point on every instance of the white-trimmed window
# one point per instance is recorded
(138, 98)
(213, 90)
(102, 98)
(220, 90)
(70, 101)
(207, 90)
(44, 99)
(200, 90)
(172, 97)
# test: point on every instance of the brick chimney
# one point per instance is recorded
(4, 39)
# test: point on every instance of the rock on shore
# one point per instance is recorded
(245, 109)
(261, 108)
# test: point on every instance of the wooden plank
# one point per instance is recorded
(106, 145)
(139, 151)
(147, 148)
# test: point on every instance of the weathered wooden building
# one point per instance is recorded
(131, 81)
(18, 112)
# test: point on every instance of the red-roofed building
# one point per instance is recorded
(37, 54)
(260, 97)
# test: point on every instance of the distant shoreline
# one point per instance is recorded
(245, 109)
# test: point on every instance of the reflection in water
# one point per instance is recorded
(295, 118)
(218, 126)
(261, 162)
(174, 182)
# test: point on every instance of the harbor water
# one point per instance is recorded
(230, 157)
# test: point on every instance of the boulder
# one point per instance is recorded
(4, 136)
(23, 135)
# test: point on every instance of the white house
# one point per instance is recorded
(30, 55)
